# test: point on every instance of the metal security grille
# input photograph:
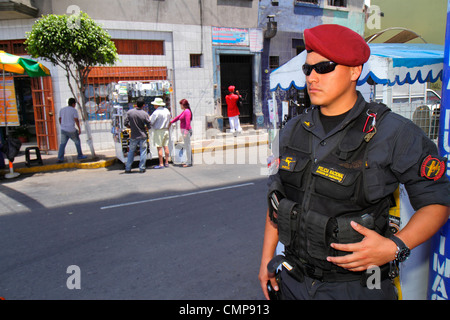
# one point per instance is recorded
(424, 116)
(416, 102)
(98, 88)
(139, 47)
(44, 113)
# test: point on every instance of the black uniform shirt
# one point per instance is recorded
(399, 152)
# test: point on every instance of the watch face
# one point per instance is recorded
(403, 254)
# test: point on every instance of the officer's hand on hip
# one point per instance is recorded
(373, 250)
(264, 276)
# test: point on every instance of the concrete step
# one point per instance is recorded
(247, 132)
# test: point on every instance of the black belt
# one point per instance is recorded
(299, 270)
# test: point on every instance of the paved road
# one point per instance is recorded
(176, 233)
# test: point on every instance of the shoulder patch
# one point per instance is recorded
(432, 168)
(288, 163)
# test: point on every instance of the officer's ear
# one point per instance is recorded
(356, 72)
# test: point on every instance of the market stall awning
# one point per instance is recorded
(393, 63)
(20, 65)
(289, 74)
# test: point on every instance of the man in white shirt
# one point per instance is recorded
(68, 118)
(160, 120)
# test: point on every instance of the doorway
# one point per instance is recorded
(236, 70)
(25, 110)
(44, 113)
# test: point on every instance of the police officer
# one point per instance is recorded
(339, 164)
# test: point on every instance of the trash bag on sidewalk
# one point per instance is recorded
(179, 154)
(11, 148)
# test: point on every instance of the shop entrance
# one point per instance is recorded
(24, 101)
(44, 113)
(36, 121)
(34, 100)
(236, 70)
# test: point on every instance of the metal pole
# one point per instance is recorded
(4, 100)
(11, 173)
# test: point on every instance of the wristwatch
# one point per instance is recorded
(403, 251)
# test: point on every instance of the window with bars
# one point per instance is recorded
(337, 3)
(196, 60)
(139, 47)
(14, 46)
(307, 1)
(274, 62)
(124, 46)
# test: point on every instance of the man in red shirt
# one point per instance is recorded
(233, 110)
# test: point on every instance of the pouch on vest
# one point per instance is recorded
(373, 218)
(345, 232)
(336, 182)
(288, 215)
(317, 240)
(275, 194)
(292, 170)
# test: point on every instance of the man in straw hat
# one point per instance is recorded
(160, 120)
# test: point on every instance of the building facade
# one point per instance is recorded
(284, 23)
(200, 47)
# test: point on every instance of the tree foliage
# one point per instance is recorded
(76, 43)
(74, 40)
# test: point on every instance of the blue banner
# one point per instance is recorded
(439, 280)
(443, 142)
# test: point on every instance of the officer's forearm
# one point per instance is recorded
(270, 239)
(424, 224)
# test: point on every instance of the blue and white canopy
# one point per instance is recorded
(389, 64)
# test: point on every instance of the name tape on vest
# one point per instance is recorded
(329, 173)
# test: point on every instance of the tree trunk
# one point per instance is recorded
(81, 101)
(81, 81)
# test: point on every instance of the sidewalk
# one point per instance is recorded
(105, 158)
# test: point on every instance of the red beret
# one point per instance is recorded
(337, 43)
(231, 88)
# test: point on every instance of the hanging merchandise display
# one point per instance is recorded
(123, 96)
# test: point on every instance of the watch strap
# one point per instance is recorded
(398, 241)
(400, 245)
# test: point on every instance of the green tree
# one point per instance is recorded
(76, 44)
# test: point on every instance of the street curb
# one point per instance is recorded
(110, 161)
(69, 165)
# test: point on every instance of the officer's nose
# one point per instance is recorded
(313, 77)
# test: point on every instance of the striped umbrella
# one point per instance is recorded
(17, 64)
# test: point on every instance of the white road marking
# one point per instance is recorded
(176, 196)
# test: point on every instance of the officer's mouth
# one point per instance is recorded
(313, 90)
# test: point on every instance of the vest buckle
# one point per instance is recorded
(371, 130)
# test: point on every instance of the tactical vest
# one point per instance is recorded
(319, 198)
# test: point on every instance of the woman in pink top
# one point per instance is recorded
(185, 118)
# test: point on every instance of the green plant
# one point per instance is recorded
(75, 43)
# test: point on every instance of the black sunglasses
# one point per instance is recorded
(321, 67)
